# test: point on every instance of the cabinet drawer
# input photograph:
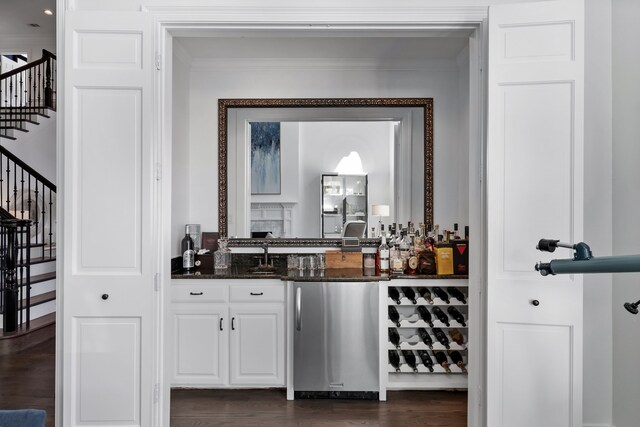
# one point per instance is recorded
(256, 293)
(199, 293)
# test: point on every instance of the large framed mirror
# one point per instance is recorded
(277, 159)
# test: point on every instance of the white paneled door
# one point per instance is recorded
(534, 190)
(108, 293)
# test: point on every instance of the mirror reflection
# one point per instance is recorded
(324, 172)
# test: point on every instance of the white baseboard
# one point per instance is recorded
(597, 425)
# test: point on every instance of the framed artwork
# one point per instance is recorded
(265, 157)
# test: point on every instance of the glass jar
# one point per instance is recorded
(222, 257)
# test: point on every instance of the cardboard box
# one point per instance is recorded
(340, 259)
(444, 259)
(460, 256)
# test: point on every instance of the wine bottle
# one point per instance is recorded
(426, 359)
(456, 315)
(466, 232)
(424, 293)
(441, 294)
(456, 236)
(188, 252)
(410, 358)
(441, 357)
(457, 294)
(383, 256)
(441, 316)
(394, 315)
(456, 357)
(394, 337)
(409, 293)
(441, 337)
(425, 337)
(456, 336)
(394, 359)
(394, 294)
(425, 315)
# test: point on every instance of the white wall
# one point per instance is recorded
(180, 177)
(626, 206)
(210, 81)
(597, 408)
(31, 45)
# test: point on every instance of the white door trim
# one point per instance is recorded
(175, 21)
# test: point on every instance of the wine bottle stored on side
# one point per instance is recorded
(456, 315)
(457, 294)
(394, 337)
(426, 359)
(426, 294)
(425, 337)
(456, 336)
(441, 337)
(409, 293)
(441, 316)
(425, 315)
(441, 357)
(188, 253)
(394, 294)
(394, 315)
(394, 359)
(410, 358)
(456, 357)
(441, 294)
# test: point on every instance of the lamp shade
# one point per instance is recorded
(380, 210)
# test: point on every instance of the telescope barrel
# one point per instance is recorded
(605, 264)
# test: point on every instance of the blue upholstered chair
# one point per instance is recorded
(23, 418)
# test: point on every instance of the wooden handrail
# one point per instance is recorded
(45, 56)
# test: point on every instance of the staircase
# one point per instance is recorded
(27, 207)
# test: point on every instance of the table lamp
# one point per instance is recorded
(380, 211)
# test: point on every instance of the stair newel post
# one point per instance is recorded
(48, 90)
(10, 315)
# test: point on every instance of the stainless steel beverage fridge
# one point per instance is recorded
(336, 340)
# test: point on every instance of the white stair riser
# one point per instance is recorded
(43, 267)
(43, 287)
(39, 310)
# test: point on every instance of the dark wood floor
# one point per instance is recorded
(27, 380)
(264, 408)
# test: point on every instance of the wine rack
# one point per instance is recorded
(410, 321)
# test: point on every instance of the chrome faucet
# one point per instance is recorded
(265, 248)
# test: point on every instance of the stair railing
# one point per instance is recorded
(15, 274)
(28, 90)
(26, 194)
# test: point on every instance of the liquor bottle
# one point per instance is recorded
(456, 236)
(404, 245)
(395, 260)
(412, 262)
(441, 357)
(424, 293)
(410, 358)
(222, 257)
(419, 240)
(466, 232)
(425, 315)
(456, 357)
(394, 359)
(382, 233)
(456, 315)
(394, 294)
(410, 294)
(441, 316)
(188, 252)
(426, 359)
(394, 315)
(456, 336)
(441, 337)
(441, 294)
(425, 337)
(383, 257)
(394, 337)
(457, 294)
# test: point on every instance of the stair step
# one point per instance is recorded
(39, 260)
(36, 324)
(14, 128)
(40, 299)
(39, 278)
(7, 137)
(14, 120)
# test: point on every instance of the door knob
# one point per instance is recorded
(105, 296)
(535, 302)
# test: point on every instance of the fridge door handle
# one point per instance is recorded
(298, 308)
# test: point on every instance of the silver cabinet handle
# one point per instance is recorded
(298, 308)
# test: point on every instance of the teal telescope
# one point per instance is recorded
(583, 261)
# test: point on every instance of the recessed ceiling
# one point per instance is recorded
(16, 15)
(405, 48)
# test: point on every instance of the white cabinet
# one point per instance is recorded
(257, 344)
(227, 333)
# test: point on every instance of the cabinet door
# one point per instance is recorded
(200, 345)
(534, 190)
(257, 344)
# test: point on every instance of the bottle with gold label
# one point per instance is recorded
(412, 262)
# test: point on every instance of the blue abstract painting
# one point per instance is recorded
(265, 157)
